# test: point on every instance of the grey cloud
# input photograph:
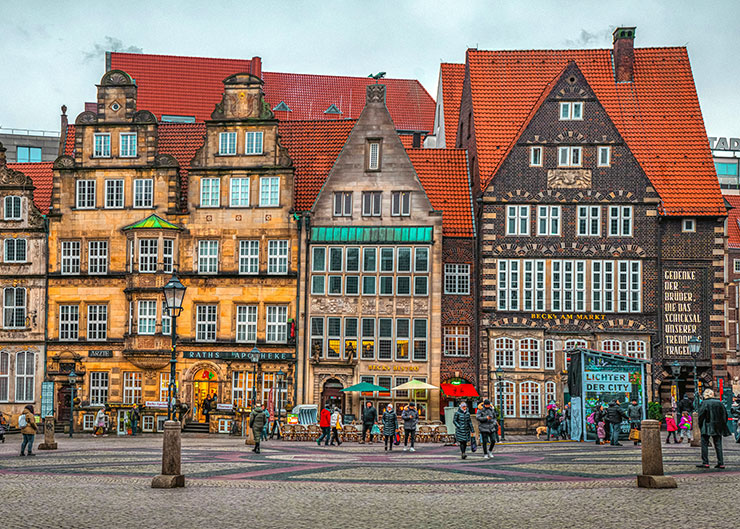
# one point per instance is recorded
(586, 38)
(109, 44)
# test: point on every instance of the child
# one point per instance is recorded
(601, 432)
(670, 424)
(685, 426)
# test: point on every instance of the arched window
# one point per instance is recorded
(549, 354)
(529, 400)
(14, 308)
(611, 346)
(507, 388)
(4, 376)
(529, 353)
(13, 207)
(570, 345)
(504, 352)
(551, 395)
(636, 349)
(24, 375)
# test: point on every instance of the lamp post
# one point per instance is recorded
(254, 357)
(280, 374)
(72, 381)
(675, 371)
(174, 293)
(694, 349)
(500, 380)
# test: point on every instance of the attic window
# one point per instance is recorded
(282, 107)
(177, 119)
(373, 155)
(332, 110)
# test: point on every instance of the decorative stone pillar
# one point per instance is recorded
(695, 430)
(652, 476)
(49, 442)
(170, 477)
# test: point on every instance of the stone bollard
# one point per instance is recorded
(249, 441)
(695, 430)
(49, 442)
(171, 476)
(652, 459)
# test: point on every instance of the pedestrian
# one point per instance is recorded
(208, 407)
(552, 421)
(135, 416)
(27, 424)
(713, 425)
(390, 425)
(410, 419)
(671, 427)
(488, 427)
(336, 426)
(267, 424)
(685, 404)
(614, 416)
(735, 412)
(463, 427)
(601, 433)
(257, 421)
(369, 418)
(599, 417)
(3, 426)
(99, 423)
(325, 424)
(182, 411)
(565, 421)
(634, 416)
(685, 426)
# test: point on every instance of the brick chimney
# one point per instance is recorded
(624, 54)
(375, 93)
(255, 66)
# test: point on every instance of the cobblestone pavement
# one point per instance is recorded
(93, 482)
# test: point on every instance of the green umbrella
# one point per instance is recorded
(363, 387)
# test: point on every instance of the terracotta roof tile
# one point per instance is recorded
(452, 77)
(41, 175)
(733, 221)
(181, 140)
(658, 115)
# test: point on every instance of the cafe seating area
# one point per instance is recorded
(426, 432)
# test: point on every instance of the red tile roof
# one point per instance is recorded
(41, 175)
(181, 140)
(733, 221)
(444, 175)
(191, 86)
(658, 115)
(451, 77)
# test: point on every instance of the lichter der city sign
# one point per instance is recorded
(681, 310)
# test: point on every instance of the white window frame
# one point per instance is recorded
(13, 207)
(457, 279)
(25, 373)
(504, 353)
(373, 156)
(604, 156)
(168, 255)
(400, 203)
(97, 322)
(115, 193)
(166, 321)
(509, 397)
(736, 266)
(508, 284)
(620, 221)
(101, 145)
(570, 156)
(206, 323)
(132, 387)
(146, 317)
(127, 146)
(208, 257)
(372, 203)
(549, 355)
(253, 141)
(456, 341)
(548, 221)
(688, 225)
(249, 256)
(536, 156)
(591, 215)
(517, 219)
(611, 346)
(4, 376)
(85, 193)
(148, 255)
(420, 329)
(143, 193)
(629, 286)
(227, 143)
(637, 349)
(99, 388)
(210, 192)
(343, 203)
(551, 392)
(278, 253)
(12, 248)
(246, 323)
(70, 257)
(269, 191)
(602, 286)
(530, 399)
(277, 324)
(69, 323)
(239, 188)
(529, 353)
(97, 257)
(567, 111)
(15, 303)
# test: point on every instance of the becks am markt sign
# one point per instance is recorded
(235, 355)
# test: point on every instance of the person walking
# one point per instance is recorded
(599, 417)
(27, 424)
(735, 412)
(713, 425)
(369, 418)
(336, 426)
(684, 425)
(410, 419)
(552, 421)
(267, 425)
(685, 404)
(565, 422)
(257, 421)
(614, 416)
(135, 416)
(671, 427)
(463, 428)
(390, 425)
(325, 424)
(99, 423)
(488, 427)
(634, 416)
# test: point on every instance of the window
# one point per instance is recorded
(420, 340)
(69, 322)
(28, 154)
(548, 220)
(97, 322)
(508, 284)
(253, 143)
(85, 194)
(98, 388)
(504, 352)
(97, 257)
(421, 260)
(385, 339)
(550, 354)
(517, 220)
(269, 191)
(14, 307)
(571, 111)
(535, 156)
(132, 388)
(114, 194)
(168, 255)
(551, 395)
(401, 203)
(164, 386)
(736, 265)
(353, 260)
(277, 257)
(318, 259)
(13, 208)
(177, 119)
(575, 344)
(210, 192)
(637, 349)
(166, 321)
(368, 285)
(602, 286)
(373, 156)
(386, 259)
(505, 389)
(629, 286)
(386, 285)
(207, 257)
(611, 346)
(227, 143)
(371, 203)
(268, 384)
(369, 259)
(605, 157)
(456, 340)
(15, 250)
(317, 337)
(144, 192)
(148, 255)
(334, 335)
(147, 423)
(4, 376)
(239, 193)
(343, 204)
(70, 257)
(620, 221)
(147, 320)
(335, 285)
(335, 259)
(318, 285)
(421, 286)
(568, 286)
(533, 280)
(242, 389)
(589, 221)
(128, 144)
(25, 368)
(529, 399)
(569, 156)
(402, 338)
(352, 285)
(249, 255)
(350, 338)
(101, 148)
(368, 339)
(457, 279)
(205, 325)
(277, 324)
(529, 353)
(688, 225)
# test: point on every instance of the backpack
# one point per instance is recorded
(22, 422)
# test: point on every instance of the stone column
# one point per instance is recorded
(171, 476)
(250, 433)
(695, 430)
(652, 458)
(49, 442)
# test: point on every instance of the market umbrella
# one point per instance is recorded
(364, 387)
(413, 385)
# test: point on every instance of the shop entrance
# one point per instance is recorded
(332, 394)
(205, 384)
(64, 395)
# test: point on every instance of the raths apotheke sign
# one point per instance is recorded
(682, 309)
(235, 355)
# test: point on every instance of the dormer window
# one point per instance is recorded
(569, 156)
(101, 145)
(227, 143)
(128, 145)
(253, 143)
(571, 111)
(13, 208)
(373, 155)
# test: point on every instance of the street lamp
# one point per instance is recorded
(694, 349)
(500, 380)
(174, 293)
(72, 381)
(254, 357)
(280, 374)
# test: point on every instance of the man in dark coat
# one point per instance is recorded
(488, 427)
(463, 428)
(257, 421)
(614, 416)
(685, 405)
(713, 424)
(410, 419)
(390, 425)
(369, 418)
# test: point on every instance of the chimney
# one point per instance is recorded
(624, 54)
(416, 140)
(375, 93)
(63, 131)
(255, 66)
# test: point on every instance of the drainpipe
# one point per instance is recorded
(46, 295)
(299, 220)
(306, 329)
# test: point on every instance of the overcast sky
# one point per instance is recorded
(53, 52)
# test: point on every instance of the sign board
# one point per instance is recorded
(235, 355)
(565, 316)
(100, 354)
(224, 406)
(156, 404)
(682, 309)
(724, 144)
(47, 399)
(607, 382)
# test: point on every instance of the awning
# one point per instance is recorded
(459, 390)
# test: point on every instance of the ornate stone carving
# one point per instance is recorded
(144, 116)
(385, 306)
(569, 178)
(368, 306)
(421, 306)
(11, 177)
(165, 160)
(115, 78)
(375, 93)
(403, 306)
(64, 162)
(86, 117)
(332, 305)
(148, 362)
